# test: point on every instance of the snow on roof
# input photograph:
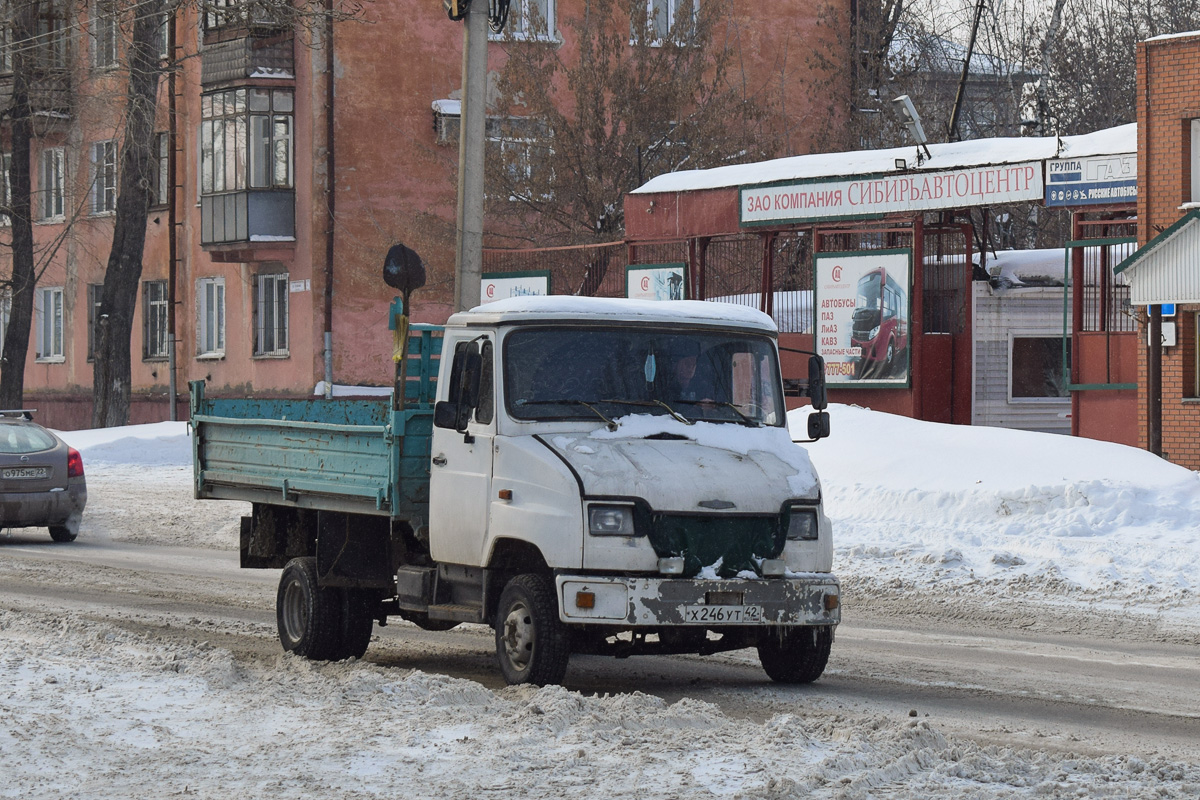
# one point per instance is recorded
(1180, 35)
(450, 108)
(526, 309)
(944, 156)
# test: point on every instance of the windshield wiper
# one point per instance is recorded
(611, 425)
(748, 421)
(658, 403)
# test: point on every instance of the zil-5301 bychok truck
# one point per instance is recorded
(582, 475)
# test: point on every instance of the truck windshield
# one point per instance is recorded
(585, 373)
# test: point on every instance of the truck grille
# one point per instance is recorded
(703, 540)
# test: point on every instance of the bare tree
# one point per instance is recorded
(112, 383)
(637, 99)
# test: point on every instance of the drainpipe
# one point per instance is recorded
(172, 215)
(330, 197)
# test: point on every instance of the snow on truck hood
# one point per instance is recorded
(755, 469)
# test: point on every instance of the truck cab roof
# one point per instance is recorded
(554, 308)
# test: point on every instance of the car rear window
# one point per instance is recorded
(22, 439)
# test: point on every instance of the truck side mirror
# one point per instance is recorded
(463, 394)
(816, 387)
(818, 425)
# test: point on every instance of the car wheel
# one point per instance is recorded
(309, 617)
(532, 644)
(891, 357)
(61, 533)
(795, 655)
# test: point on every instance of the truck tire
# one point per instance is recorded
(357, 622)
(308, 616)
(532, 644)
(795, 655)
(61, 533)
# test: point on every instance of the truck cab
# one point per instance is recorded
(636, 458)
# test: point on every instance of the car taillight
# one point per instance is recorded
(74, 463)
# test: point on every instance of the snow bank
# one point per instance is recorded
(156, 444)
(989, 509)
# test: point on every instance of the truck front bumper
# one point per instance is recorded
(809, 599)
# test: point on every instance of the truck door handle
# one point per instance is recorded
(439, 461)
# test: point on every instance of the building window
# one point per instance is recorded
(161, 194)
(95, 293)
(211, 325)
(52, 179)
(5, 188)
(48, 320)
(6, 48)
(104, 177)
(246, 140)
(52, 36)
(104, 34)
(154, 320)
(5, 312)
(518, 146)
(271, 315)
(1036, 368)
(528, 20)
(668, 20)
(1196, 354)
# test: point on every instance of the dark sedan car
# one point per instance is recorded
(41, 478)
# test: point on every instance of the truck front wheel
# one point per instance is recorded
(795, 655)
(532, 644)
(309, 617)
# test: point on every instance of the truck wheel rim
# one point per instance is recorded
(295, 612)
(519, 635)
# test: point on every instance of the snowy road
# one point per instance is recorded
(1050, 691)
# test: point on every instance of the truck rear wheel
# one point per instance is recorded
(532, 644)
(308, 616)
(795, 655)
(357, 622)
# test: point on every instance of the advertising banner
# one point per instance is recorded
(503, 285)
(862, 317)
(656, 281)
(884, 194)
(1090, 181)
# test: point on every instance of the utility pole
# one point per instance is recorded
(468, 259)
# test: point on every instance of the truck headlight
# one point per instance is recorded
(610, 520)
(802, 524)
(874, 332)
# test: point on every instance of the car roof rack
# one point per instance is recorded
(24, 413)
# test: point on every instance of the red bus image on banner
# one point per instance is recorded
(880, 325)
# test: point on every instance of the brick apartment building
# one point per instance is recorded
(1166, 269)
(301, 157)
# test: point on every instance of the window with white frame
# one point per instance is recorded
(669, 20)
(48, 321)
(52, 183)
(104, 177)
(5, 312)
(271, 315)
(246, 140)
(154, 320)
(161, 195)
(1036, 367)
(5, 187)
(53, 36)
(210, 327)
(95, 293)
(104, 34)
(528, 20)
(519, 146)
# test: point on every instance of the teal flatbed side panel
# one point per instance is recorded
(355, 455)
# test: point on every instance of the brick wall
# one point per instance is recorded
(1168, 73)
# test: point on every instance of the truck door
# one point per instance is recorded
(461, 459)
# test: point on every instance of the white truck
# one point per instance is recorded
(584, 476)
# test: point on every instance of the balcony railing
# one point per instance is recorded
(249, 216)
